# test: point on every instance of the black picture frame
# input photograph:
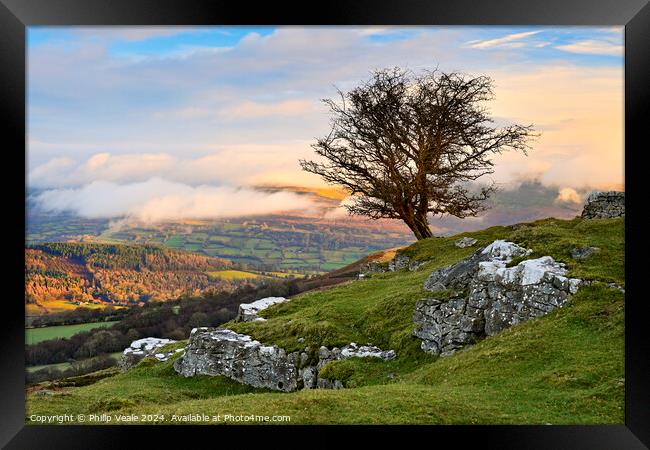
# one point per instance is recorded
(16, 15)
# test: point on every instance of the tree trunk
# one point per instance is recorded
(419, 225)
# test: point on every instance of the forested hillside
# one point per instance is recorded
(61, 276)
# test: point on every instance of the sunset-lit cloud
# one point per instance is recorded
(569, 195)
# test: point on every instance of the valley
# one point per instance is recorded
(271, 243)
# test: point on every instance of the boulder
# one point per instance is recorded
(237, 356)
(141, 348)
(487, 296)
(465, 242)
(604, 205)
(248, 311)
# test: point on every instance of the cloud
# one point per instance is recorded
(238, 165)
(569, 195)
(184, 113)
(101, 167)
(593, 47)
(133, 33)
(510, 40)
(519, 201)
(370, 31)
(51, 169)
(157, 200)
(255, 109)
(579, 112)
(340, 211)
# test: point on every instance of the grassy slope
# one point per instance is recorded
(566, 367)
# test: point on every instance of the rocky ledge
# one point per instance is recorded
(142, 348)
(604, 205)
(224, 352)
(483, 296)
(248, 311)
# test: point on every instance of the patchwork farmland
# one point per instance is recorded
(284, 244)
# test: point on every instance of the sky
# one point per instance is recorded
(163, 122)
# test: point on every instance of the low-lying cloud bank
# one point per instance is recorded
(158, 200)
(522, 201)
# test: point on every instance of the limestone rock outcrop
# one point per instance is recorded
(248, 311)
(604, 205)
(224, 352)
(141, 348)
(484, 296)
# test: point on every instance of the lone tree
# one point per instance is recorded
(408, 145)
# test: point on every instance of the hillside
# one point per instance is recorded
(566, 367)
(60, 276)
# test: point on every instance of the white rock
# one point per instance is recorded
(142, 348)
(465, 242)
(526, 272)
(145, 345)
(533, 270)
(504, 250)
(248, 311)
(488, 270)
(365, 351)
(574, 284)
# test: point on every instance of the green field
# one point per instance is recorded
(243, 275)
(234, 275)
(566, 367)
(36, 335)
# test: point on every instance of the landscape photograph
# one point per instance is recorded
(324, 225)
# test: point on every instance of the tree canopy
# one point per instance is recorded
(407, 146)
